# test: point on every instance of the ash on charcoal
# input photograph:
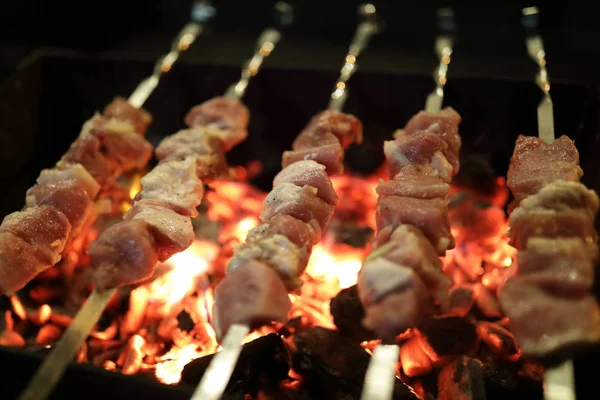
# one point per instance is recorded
(263, 364)
(449, 335)
(185, 321)
(352, 234)
(334, 366)
(462, 379)
(503, 381)
(348, 313)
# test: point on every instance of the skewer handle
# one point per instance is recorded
(202, 13)
(365, 29)
(284, 16)
(51, 370)
(535, 49)
(213, 384)
(381, 373)
(443, 48)
(559, 382)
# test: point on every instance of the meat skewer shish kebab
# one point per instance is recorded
(267, 267)
(402, 278)
(159, 223)
(61, 204)
(552, 312)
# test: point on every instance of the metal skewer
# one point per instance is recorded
(54, 365)
(381, 372)
(217, 375)
(559, 381)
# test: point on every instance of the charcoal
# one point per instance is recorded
(334, 366)
(449, 335)
(462, 379)
(497, 338)
(353, 235)
(263, 364)
(503, 380)
(185, 321)
(348, 313)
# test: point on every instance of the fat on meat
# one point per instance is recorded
(345, 127)
(173, 233)
(411, 182)
(330, 155)
(226, 118)
(69, 197)
(68, 171)
(120, 109)
(308, 173)
(429, 215)
(252, 295)
(174, 183)
(298, 232)
(125, 253)
(298, 202)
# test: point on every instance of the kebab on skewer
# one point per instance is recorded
(159, 223)
(267, 267)
(61, 203)
(548, 298)
(402, 279)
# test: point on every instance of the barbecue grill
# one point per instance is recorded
(495, 109)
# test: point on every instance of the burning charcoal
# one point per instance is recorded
(461, 299)
(348, 313)
(135, 315)
(415, 362)
(48, 334)
(447, 336)
(462, 379)
(133, 355)
(487, 302)
(186, 323)
(503, 380)
(498, 339)
(353, 235)
(42, 315)
(8, 337)
(263, 363)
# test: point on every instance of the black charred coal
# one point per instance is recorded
(505, 379)
(348, 313)
(462, 379)
(334, 366)
(262, 365)
(185, 321)
(449, 335)
(352, 234)
(476, 173)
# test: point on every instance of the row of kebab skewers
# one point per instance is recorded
(401, 281)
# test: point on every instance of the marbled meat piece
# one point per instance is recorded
(230, 118)
(120, 109)
(429, 215)
(173, 233)
(559, 265)
(276, 251)
(298, 202)
(174, 183)
(66, 171)
(253, 295)
(86, 150)
(545, 324)
(123, 254)
(421, 150)
(345, 127)
(408, 247)
(562, 196)
(209, 152)
(535, 163)
(525, 224)
(126, 148)
(411, 182)
(393, 295)
(298, 232)
(443, 123)
(311, 173)
(329, 154)
(43, 227)
(68, 196)
(20, 262)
